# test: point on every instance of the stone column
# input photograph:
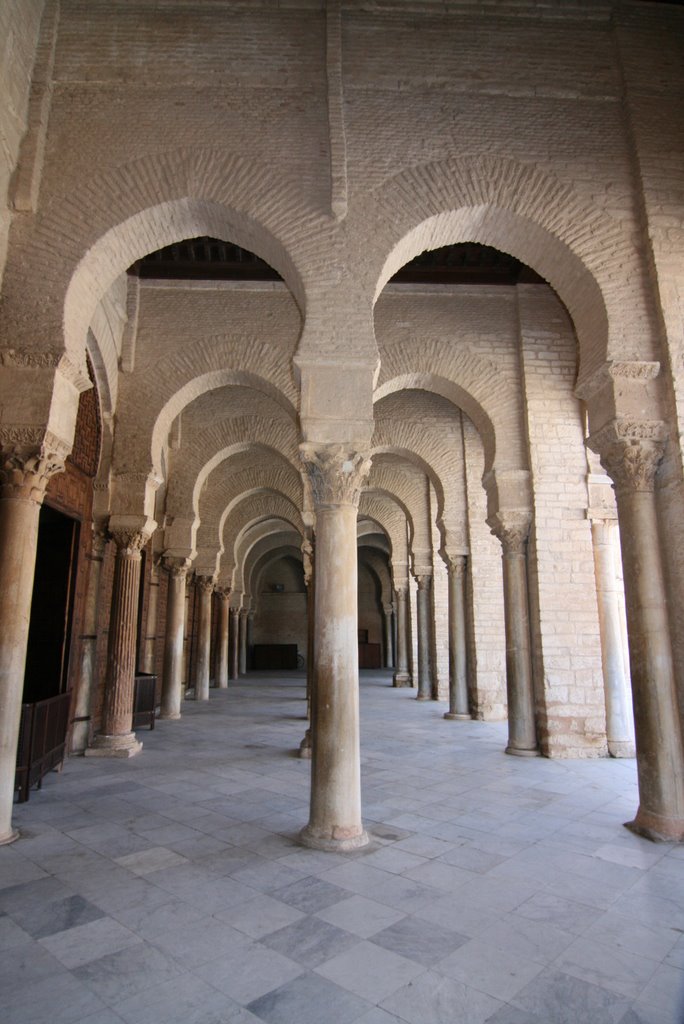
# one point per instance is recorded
(242, 667)
(205, 586)
(116, 738)
(512, 529)
(222, 657)
(402, 676)
(336, 477)
(458, 678)
(25, 471)
(172, 674)
(234, 640)
(631, 452)
(150, 638)
(619, 715)
(389, 660)
(82, 708)
(308, 563)
(250, 638)
(424, 607)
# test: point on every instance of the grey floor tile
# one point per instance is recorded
(260, 916)
(302, 1000)
(498, 972)
(556, 996)
(184, 1000)
(422, 941)
(310, 894)
(58, 999)
(434, 999)
(370, 971)
(126, 972)
(40, 920)
(248, 972)
(361, 916)
(310, 941)
(88, 942)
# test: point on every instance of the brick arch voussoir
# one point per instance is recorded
(252, 510)
(227, 488)
(85, 238)
(524, 210)
(254, 555)
(497, 425)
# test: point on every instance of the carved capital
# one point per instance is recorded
(456, 566)
(177, 568)
(630, 452)
(424, 580)
(131, 533)
(205, 584)
(336, 474)
(512, 529)
(222, 592)
(402, 593)
(29, 457)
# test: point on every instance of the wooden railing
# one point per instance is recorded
(42, 740)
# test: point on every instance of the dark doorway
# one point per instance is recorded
(49, 640)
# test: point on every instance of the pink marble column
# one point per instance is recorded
(631, 452)
(512, 529)
(25, 470)
(172, 674)
(116, 737)
(336, 475)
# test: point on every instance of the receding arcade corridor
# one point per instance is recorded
(171, 887)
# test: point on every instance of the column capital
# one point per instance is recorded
(630, 451)
(204, 583)
(177, 568)
(512, 529)
(131, 533)
(29, 458)
(336, 473)
(222, 592)
(456, 565)
(423, 579)
(401, 590)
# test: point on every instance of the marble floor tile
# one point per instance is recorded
(361, 916)
(423, 941)
(40, 920)
(248, 972)
(370, 971)
(259, 916)
(302, 1000)
(558, 997)
(126, 972)
(184, 1000)
(434, 999)
(498, 972)
(310, 941)
(58, 999)
(154, 858)
(86, 942)
(310, 894)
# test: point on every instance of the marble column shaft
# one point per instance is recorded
(336, 477)
(205, 586)
(458, 641)
(387, 612)
(116, 737)
(630, 453)
(150, 638)
(82, 708)
(222, 653)
(402, 676)
(24, 475)
(234, 644)
(172, 675)
(512, 529)
(424, 608)
(619, 714)
(242, 667)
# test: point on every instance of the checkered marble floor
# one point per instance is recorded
(171, 888)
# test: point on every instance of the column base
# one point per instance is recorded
(402, 679)
(423, 696)
(453, 717)
(656, 827)
(169, 716)
(126, 745)
(317, 840)
(621, 748)
(520, 752)
(9, 837)
(305, 746)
